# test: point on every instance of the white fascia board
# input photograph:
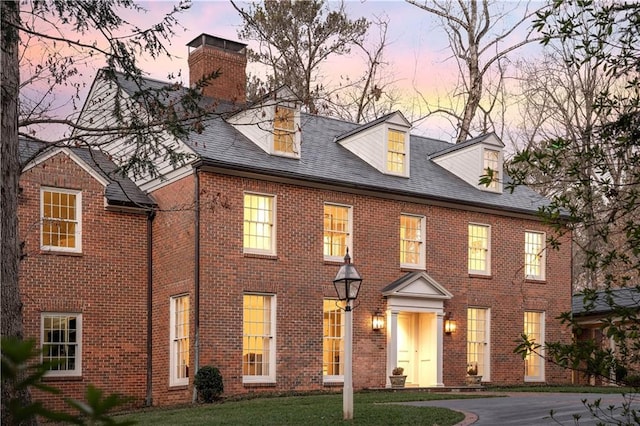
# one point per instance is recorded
(66, 151)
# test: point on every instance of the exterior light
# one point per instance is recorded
(347, 284)
(450, 325)
(377, 321)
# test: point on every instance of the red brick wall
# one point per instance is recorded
(106, 283)
(300, 278)
(173, 272)
(230, 85)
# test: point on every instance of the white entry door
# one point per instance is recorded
(417, 347)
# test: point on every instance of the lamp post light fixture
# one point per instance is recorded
(377, 321)
(347, 283)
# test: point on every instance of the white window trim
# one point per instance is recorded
(540, 378)
(543, 256)
(488, 269)
(78, 233)
(272, 251)
(407, 145)
(173, 379)
(499, 169)
(349, 232)
(64, 373)
(423, 242)
(486, 367)
(296, 133)
(271, 377)
(333, 378)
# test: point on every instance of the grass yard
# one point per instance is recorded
(370, 408)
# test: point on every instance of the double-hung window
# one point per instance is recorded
(479, 257)
(61, 337)
(61, 219)
(396, 152)
(412, 241)
(284, 130)
(333, 341)
(534, 255)
(258, 338)
(337, 231)
(491, 167)
(259, 224)
(179, 341)
(534, 360)
(478, 341)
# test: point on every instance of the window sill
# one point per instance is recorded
(332, 384)
(535, 281)
(62, 378)
(261, 256)
(61, 253)
(481, 276)
(259, 384)
(410, 268)
(178, 387)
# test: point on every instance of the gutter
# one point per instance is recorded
(151, 214)
(196, 278)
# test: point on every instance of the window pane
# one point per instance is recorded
(332, 340)
(59, 220)
(533, 331)
(257, 335)
(258, 222)
(283, 129)
(60, 341)
(410, 239)
(533, 254)
(395, 151)
(478, 248)
(180, 342)
(336, 230)
(476, 338)
(491, 159)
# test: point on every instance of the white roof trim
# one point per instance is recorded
(66, 151)
(421, 286)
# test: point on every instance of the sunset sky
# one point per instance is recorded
(418, 54)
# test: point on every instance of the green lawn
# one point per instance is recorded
(370, 408)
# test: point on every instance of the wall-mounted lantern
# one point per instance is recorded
(450, 325)
(377, 321)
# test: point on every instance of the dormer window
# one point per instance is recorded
(396, 153)
(491, 167)
(284, 130)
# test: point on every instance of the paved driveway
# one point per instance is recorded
(529, 408)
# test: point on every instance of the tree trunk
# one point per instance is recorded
(10, 173)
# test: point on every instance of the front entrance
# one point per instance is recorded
(415, 331)
(417, 347)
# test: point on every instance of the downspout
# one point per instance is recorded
(196, 279)
(151, 214)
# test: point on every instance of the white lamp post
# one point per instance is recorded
(347, 284)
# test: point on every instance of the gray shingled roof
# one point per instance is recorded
(120, 191)
(325, 161)
(628, 297)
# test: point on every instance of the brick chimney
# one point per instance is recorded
(209, 53)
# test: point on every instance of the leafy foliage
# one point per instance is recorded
(21, 371)
(208, 382)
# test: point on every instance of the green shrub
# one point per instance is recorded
(208, 382)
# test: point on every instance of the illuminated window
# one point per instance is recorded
(284, 130)
(534, 258)
(479, 254)
(333, 340)
(412, 241)
(258, 338)
(478, 340)
(61, 343)
(259, 231)
(179, 337)
(61, 219)
(337, 231)
(491, 164)
(534, 361)
(396, 153)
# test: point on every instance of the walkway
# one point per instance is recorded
(529, 408)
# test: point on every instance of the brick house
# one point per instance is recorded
(229, 259)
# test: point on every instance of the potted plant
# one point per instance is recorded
(473, 379)
(397, 378)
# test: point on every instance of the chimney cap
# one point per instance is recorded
(219, 42)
